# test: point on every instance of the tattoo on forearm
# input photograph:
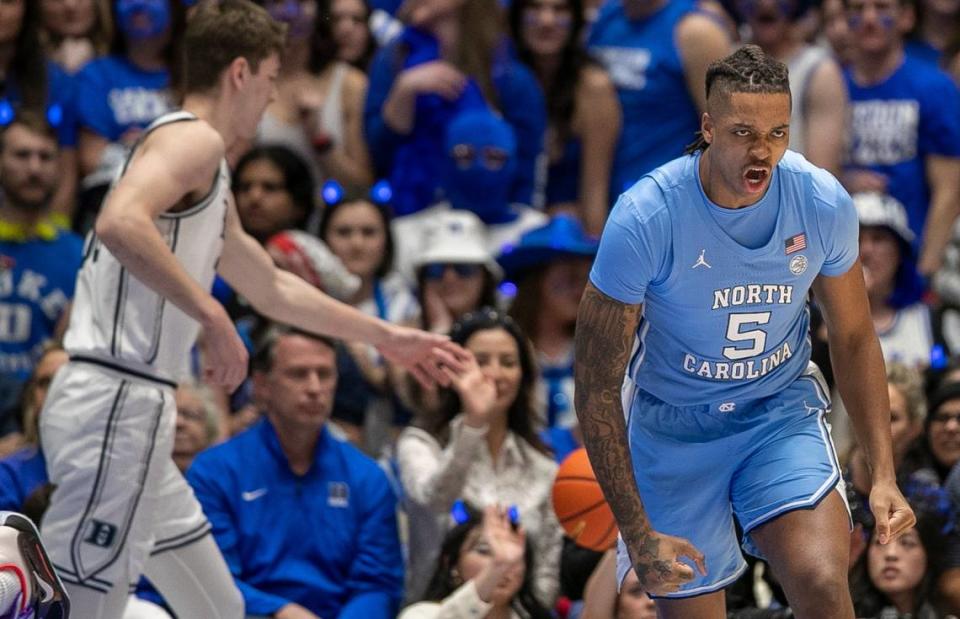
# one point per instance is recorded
(604, 340)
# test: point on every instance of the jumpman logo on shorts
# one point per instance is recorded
(701, 261)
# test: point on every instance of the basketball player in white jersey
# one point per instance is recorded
(121, 508)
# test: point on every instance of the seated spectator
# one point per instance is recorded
(273, 190)
(582, 106)
(318, 112)
(481, 446)
(74, 32)
(898, 579)
(24, 470)
(350, 29)
(480, 163)
(603, 598)
(119, 95)
(456, 274)
(550, 266)
(904, 138)
(306, 523)
(38, 261)
(451, 57)
(901, 320)
(484, 571)
(357, 231)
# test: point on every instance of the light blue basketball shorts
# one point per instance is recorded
(698, 467)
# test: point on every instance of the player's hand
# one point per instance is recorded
(890, 510)
(478, 392)
(224, 355)
(422, 354)
(657, 563)
(294, 611)
(437, 77)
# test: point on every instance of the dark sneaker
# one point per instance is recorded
(20, 548)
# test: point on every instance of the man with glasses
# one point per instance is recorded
(905, 130)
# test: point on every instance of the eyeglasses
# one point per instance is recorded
(436, 271)
(491, 157)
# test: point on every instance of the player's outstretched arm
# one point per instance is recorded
(604, 340)
(286, 298)
(161, 175)
(858, 366)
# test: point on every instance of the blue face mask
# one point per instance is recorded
(143, 19)
(481, 165)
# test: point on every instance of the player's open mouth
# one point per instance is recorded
(755, 177)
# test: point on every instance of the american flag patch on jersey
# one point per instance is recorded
(795, 243)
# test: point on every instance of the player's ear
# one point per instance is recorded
(706, 127)
(238, 72)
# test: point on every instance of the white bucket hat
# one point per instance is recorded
(456, 237)
(877, 209)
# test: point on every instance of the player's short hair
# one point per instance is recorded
(265, 353)
(34, 121)
(747, 70)
(220, 32)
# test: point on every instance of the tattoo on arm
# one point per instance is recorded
(604, 340)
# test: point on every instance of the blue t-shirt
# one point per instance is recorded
(37, 279)
(113, 95)
(897, 123)
(722, 321)
(659, 117)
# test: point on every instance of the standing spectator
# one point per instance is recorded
(901, 320)
(306, 523)
(481, 446)
(117, 96)
(937, 26)
(550, 266)
(656, 52)
(38, 261)
(484, 570)
(74, 32)
(905, 132)
(452, 57)
(318, 112)
(582, 106)
(350, 29)
(819, 113)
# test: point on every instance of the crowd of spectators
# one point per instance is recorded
(450, 164)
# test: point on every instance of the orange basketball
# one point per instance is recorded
(580, 506)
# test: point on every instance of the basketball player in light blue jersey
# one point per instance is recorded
(694, 390)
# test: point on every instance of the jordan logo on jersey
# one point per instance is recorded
(701, 261)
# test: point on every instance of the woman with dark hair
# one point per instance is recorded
(898, 579)
(349, 25)
(74, 32)
(318, 112)
(481, 444)
(119, 95)
(484, 571)
(582, 106)
(451, 58)
(274, 191)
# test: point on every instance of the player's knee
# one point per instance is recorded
(824, 583)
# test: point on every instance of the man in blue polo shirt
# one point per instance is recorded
(306, 522)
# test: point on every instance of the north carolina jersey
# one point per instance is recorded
(118, 318)
(722, 321)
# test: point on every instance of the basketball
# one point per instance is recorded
(579, 504)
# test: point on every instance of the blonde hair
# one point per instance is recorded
(909, 382)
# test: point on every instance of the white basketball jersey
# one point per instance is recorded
(119, 320)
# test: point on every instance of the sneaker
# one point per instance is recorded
(21, 551)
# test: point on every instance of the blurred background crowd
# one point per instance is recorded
(450, 164)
